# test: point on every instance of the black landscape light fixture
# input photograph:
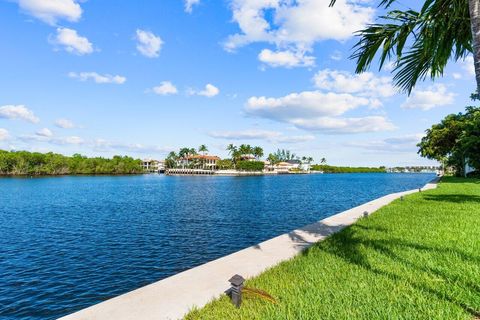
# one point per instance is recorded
(419, 189)
(365, 214)
(236, 291)
(401, 198)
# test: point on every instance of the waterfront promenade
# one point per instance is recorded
(173, 297)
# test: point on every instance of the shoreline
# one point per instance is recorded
(175, 296)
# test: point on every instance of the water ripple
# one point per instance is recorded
(69, 242)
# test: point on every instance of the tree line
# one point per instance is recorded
(334, 169)
(455, 141)
(36, 164)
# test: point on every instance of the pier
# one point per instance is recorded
(187, 171)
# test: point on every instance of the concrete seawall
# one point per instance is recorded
(173, 297)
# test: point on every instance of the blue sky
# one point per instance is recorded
(145, 77)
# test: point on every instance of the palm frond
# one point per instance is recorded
(259, 294)
(421, 43)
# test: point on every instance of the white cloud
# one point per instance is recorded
(189, 5)
(406, 143)
(108, 146)
(305, 104)
(286, 58)
(364, 84)
(209, 91)
(98, 78)
(296, 25)
(4, 135)
(45, 132)
(255, 134)
(148, 44)
(245, 134)
(50, 11)
(69, 140)
(18, 112)
(318, 111)
(295, 139)
(456, 75)
(336, 55)
(165, 88)
(432, 97)
(468, 66)
(72, 42)
(332, 125)
(64, 124)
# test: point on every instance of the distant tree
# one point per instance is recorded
(35, 163)
(234, 153)
(454, 140)
(273, 159)
(171, 160)
(285, 155)
(245, 149)
(323, 161)
(203, 149)
(184, 152)
(257, 152)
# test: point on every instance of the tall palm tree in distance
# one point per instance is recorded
(203, 149)
(258, 152)
(420, 43)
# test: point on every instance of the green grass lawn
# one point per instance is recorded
(413, 259)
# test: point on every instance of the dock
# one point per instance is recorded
(187, 171)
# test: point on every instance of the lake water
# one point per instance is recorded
(69, 242)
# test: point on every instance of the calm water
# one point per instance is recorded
(69, 242)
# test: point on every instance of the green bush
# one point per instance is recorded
(250, 165)
(35, 164)
(225, 164)
(474, 174)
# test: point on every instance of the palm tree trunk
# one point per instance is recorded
(474, 6)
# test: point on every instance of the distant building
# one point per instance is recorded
(299, 164)
(248, 157)
(294, 163)
(151, 165)
(199, 161)
(283, 167)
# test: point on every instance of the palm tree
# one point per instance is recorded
(233, 152)
(421, 42)
(244, 149)
(273, 159)
(231, 149)
(203, 149)
(323, 161)
(171, 160)
(257, 152)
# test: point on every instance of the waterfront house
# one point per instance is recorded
(268, 166)
(283, 167)
(248, 157)
(295, 164)
(199, 161)
(151, 165)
